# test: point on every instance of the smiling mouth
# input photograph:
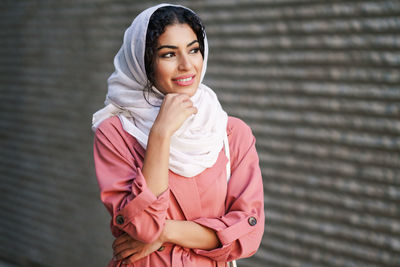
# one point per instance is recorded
(184, 81)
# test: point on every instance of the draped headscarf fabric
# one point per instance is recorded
(195, 146)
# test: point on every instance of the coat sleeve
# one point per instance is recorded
(123, 190)
(240, 230)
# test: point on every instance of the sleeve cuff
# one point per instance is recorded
(228, 234)
(218, 254)
(143, 200)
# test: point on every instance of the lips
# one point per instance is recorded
(184, 80)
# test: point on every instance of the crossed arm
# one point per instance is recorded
(183, 233)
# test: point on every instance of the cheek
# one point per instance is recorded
(199, 70)
(199, 63)
(162, 73)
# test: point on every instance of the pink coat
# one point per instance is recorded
(235, 210)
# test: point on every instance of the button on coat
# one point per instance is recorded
(252, 221)
(120, 219)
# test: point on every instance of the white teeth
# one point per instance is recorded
(185, 80)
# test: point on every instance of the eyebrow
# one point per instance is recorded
(175, 47)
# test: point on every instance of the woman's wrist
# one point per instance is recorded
(167, 232)
(160, 131)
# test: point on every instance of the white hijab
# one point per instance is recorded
(195, 146)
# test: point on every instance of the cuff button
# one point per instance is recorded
(252, 221)
(120, 219)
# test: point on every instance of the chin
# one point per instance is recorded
(187, 91)
(192, 92)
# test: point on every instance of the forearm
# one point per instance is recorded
(156, 160)
(189, 234)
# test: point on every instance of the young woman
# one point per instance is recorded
(161, 160)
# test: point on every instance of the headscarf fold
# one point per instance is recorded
(195, 146)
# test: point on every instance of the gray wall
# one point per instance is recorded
(318, 82)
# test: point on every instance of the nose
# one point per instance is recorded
(185, 63)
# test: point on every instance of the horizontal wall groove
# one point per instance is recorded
(338, 199)
(282, 116)
(277, 145)
(310, 89)
(306, 153)
(299, 207)
(359, 252)
(387, 195)
(281, 16)
(345, 250)
(351, 215)
(310, 105)
(349, 235)
(324, 257)
(350, 139)
(387, 177)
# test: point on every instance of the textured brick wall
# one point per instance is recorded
(318, 82)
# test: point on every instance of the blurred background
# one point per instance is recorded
(317, 81)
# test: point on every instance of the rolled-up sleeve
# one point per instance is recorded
(135, 210)
(240, 230)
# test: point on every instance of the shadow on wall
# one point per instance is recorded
(51, 213)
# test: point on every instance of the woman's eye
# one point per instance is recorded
(194, 50)
(168, 55)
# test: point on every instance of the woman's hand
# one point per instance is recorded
(183, 233)
(130, 250)
(175, 109)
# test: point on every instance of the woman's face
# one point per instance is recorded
(179, 62)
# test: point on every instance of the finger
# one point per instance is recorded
(188, 112)
(182, 97)
(118, 241)
(121, 239)
(187, 103)
(191, 110)
(124, 254)
(131, 259)
(124, 246)
(172, 96)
